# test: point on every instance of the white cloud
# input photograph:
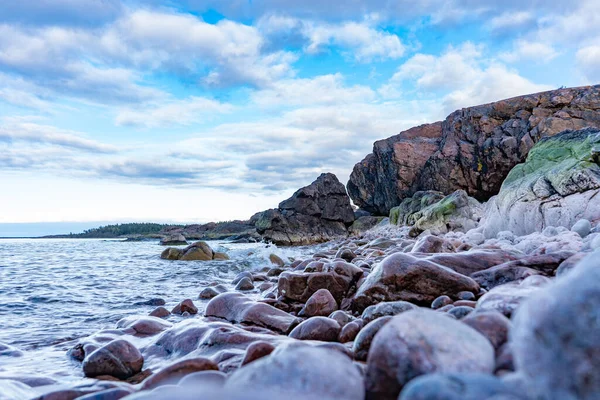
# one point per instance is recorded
(454, 68)
(465, 76)
(176, 112)
(323, 89)
(511, 21)
(22, 130)
(588, 61)
(362, 41)
(530, 51)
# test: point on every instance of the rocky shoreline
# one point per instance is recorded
(442, 297)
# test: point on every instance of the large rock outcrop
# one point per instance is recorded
(473, 149)
(316, 213)
(557, 186)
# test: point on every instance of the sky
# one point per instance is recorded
(202, 110)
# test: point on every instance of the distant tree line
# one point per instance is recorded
(118, 230)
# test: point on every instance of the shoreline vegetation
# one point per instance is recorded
(471, 271)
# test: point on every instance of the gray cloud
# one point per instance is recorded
(24, 131)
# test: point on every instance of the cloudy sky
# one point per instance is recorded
(201, 110)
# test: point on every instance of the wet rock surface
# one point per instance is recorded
(237, 308)
(119, 359)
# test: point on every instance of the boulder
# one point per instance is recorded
(363, 224)
(173, 373)
(473, 149)
(300, 371)
(364, 338)
(316, 213)
(118, 358)
(508, 297)
(244, 284)
(491, 324)
(404, 213)
(276, 260)
(433, 244)
(558, 185)
(321, 303)
(456, 212)
(186, 305)
(239, 309)
(520, 269)
(337, 277)
(198, 251)
(383, 309)
(211, 291)
(405, 277)
(471, 386)
(421, 342)
(256, 351)
(349, 332)
(317, 328)
(174, 240)
(556, 336)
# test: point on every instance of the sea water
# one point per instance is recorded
(54, 291)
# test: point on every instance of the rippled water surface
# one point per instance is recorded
(57, 290)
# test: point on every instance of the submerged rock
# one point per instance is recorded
(198, 251)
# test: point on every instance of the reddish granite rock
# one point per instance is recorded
(421, 342)
(186, 305)
(472, 149)
(256, 351)
(337, 277)
(118, 358)
(321, 303)
(237, 308)
(317, 328)
(171, 374)
(405, 277)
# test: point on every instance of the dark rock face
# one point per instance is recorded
(472, 149)
(316, 213)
